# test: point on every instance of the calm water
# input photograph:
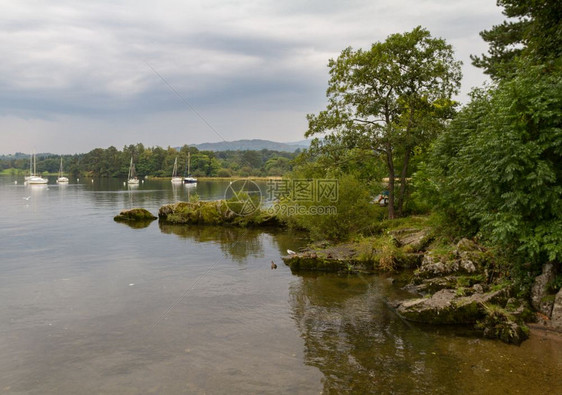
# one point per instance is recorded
(92, 306)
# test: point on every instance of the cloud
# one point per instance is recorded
(78, 66)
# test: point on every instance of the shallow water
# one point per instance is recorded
(93, 306)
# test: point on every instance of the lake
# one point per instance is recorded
(88, 305)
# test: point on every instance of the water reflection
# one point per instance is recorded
(237, 243)
(136, 224)
(359, 343)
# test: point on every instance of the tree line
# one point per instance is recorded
(157, 162)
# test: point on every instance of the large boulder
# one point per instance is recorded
(447, 307)
(540, 299)
(411, 239)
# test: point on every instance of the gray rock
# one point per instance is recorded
(478, 288)
(556, 320)
(415, 238)
(468, 265)
(446, 307)
(540, 290)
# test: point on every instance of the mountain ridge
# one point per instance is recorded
(252, 145)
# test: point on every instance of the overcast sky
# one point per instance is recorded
(76, 75)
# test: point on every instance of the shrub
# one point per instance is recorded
(355, 214)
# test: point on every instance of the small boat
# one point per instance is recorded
(175, 178)
(132, 177)
(35, 179)
(188, 179)
(61, 179)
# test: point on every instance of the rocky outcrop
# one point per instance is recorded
(459, 288)
(556, 318)
(135, 215)
(447, 307)
(540, 298)
(467, 258)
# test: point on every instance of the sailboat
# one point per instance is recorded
(30, 169)
(188, 179)
(35, 179)
(61, 179)
(132, 177)
(175, 177)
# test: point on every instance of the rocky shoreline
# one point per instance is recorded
(459, 285)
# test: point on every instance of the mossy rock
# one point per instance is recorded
(215, 213)
(135, 215)
(500, 324)
(310, 262)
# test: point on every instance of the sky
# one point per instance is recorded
(76, 75)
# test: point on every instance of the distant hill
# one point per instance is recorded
(21, 155)
(253, 145)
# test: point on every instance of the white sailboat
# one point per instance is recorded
(30, 168)
(132, 177)
(61, 179)
(35, 179)
(188, 179)
(175, 177)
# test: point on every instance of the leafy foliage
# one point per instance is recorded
(355, 214)
(497, 169)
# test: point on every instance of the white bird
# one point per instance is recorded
(291, 252)
(16, 182)
(26, 197)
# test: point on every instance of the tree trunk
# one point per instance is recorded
(403, 174)
(390, 164)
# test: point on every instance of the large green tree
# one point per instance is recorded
(391, 98)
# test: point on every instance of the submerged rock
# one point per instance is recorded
(135, 214)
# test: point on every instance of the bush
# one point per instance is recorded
(224, 173)
(355, 214)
